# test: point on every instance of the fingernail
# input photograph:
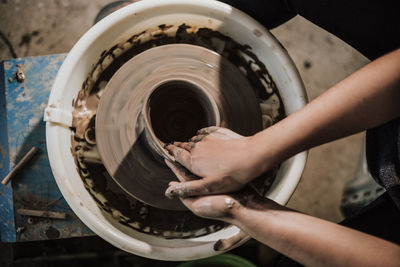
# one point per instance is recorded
(166, 145)
(170, 193)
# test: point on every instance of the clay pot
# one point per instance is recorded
(169, 92)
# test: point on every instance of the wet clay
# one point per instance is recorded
(105, 190)
(177, 90)
(177, 112)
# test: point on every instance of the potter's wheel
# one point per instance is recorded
(144, 92)
(90, 188)
(166, 94)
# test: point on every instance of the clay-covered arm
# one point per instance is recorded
(308, 240)
(227, 161)
(312, 241)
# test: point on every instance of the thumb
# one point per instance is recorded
(188, 189)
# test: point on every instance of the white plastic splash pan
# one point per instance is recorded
(117, 28)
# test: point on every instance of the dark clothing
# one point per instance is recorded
(372, 27)
(378, 218)
(383, 157)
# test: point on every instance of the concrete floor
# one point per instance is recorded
(53, 26)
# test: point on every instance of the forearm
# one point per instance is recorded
(312, 241)
(367, 98)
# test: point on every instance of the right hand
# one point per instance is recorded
(223, 160)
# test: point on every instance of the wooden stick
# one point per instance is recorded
(20, 164)
(42, 213)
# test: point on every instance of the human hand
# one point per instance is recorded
(223, 159)
(218, 207)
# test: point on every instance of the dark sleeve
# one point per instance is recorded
(370, 26)
(383, 157)
(270, 13)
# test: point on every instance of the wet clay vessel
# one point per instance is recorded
(156, 91)
(166, 94)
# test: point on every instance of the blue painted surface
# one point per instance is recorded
(34, 187)
(7, 223)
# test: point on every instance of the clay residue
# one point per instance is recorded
(20, 74)
(84, 112)
(108, 195)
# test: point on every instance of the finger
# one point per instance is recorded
(181, 155)
(181, 173)
(172, 183)
(212, 206)
(179, 144)
(188, 189)
(228, 243)
(190, 202)
(202, 206)
(197, 138)
(175, 143)
(208, 130)
(185, 145)
(218, 136)
(229, 133)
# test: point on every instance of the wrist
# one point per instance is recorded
(247, 202)
(266, 150)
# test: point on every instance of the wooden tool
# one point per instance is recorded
(20, 164)
(42, 213)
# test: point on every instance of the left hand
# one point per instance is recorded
(217, 207)
(212, 206)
